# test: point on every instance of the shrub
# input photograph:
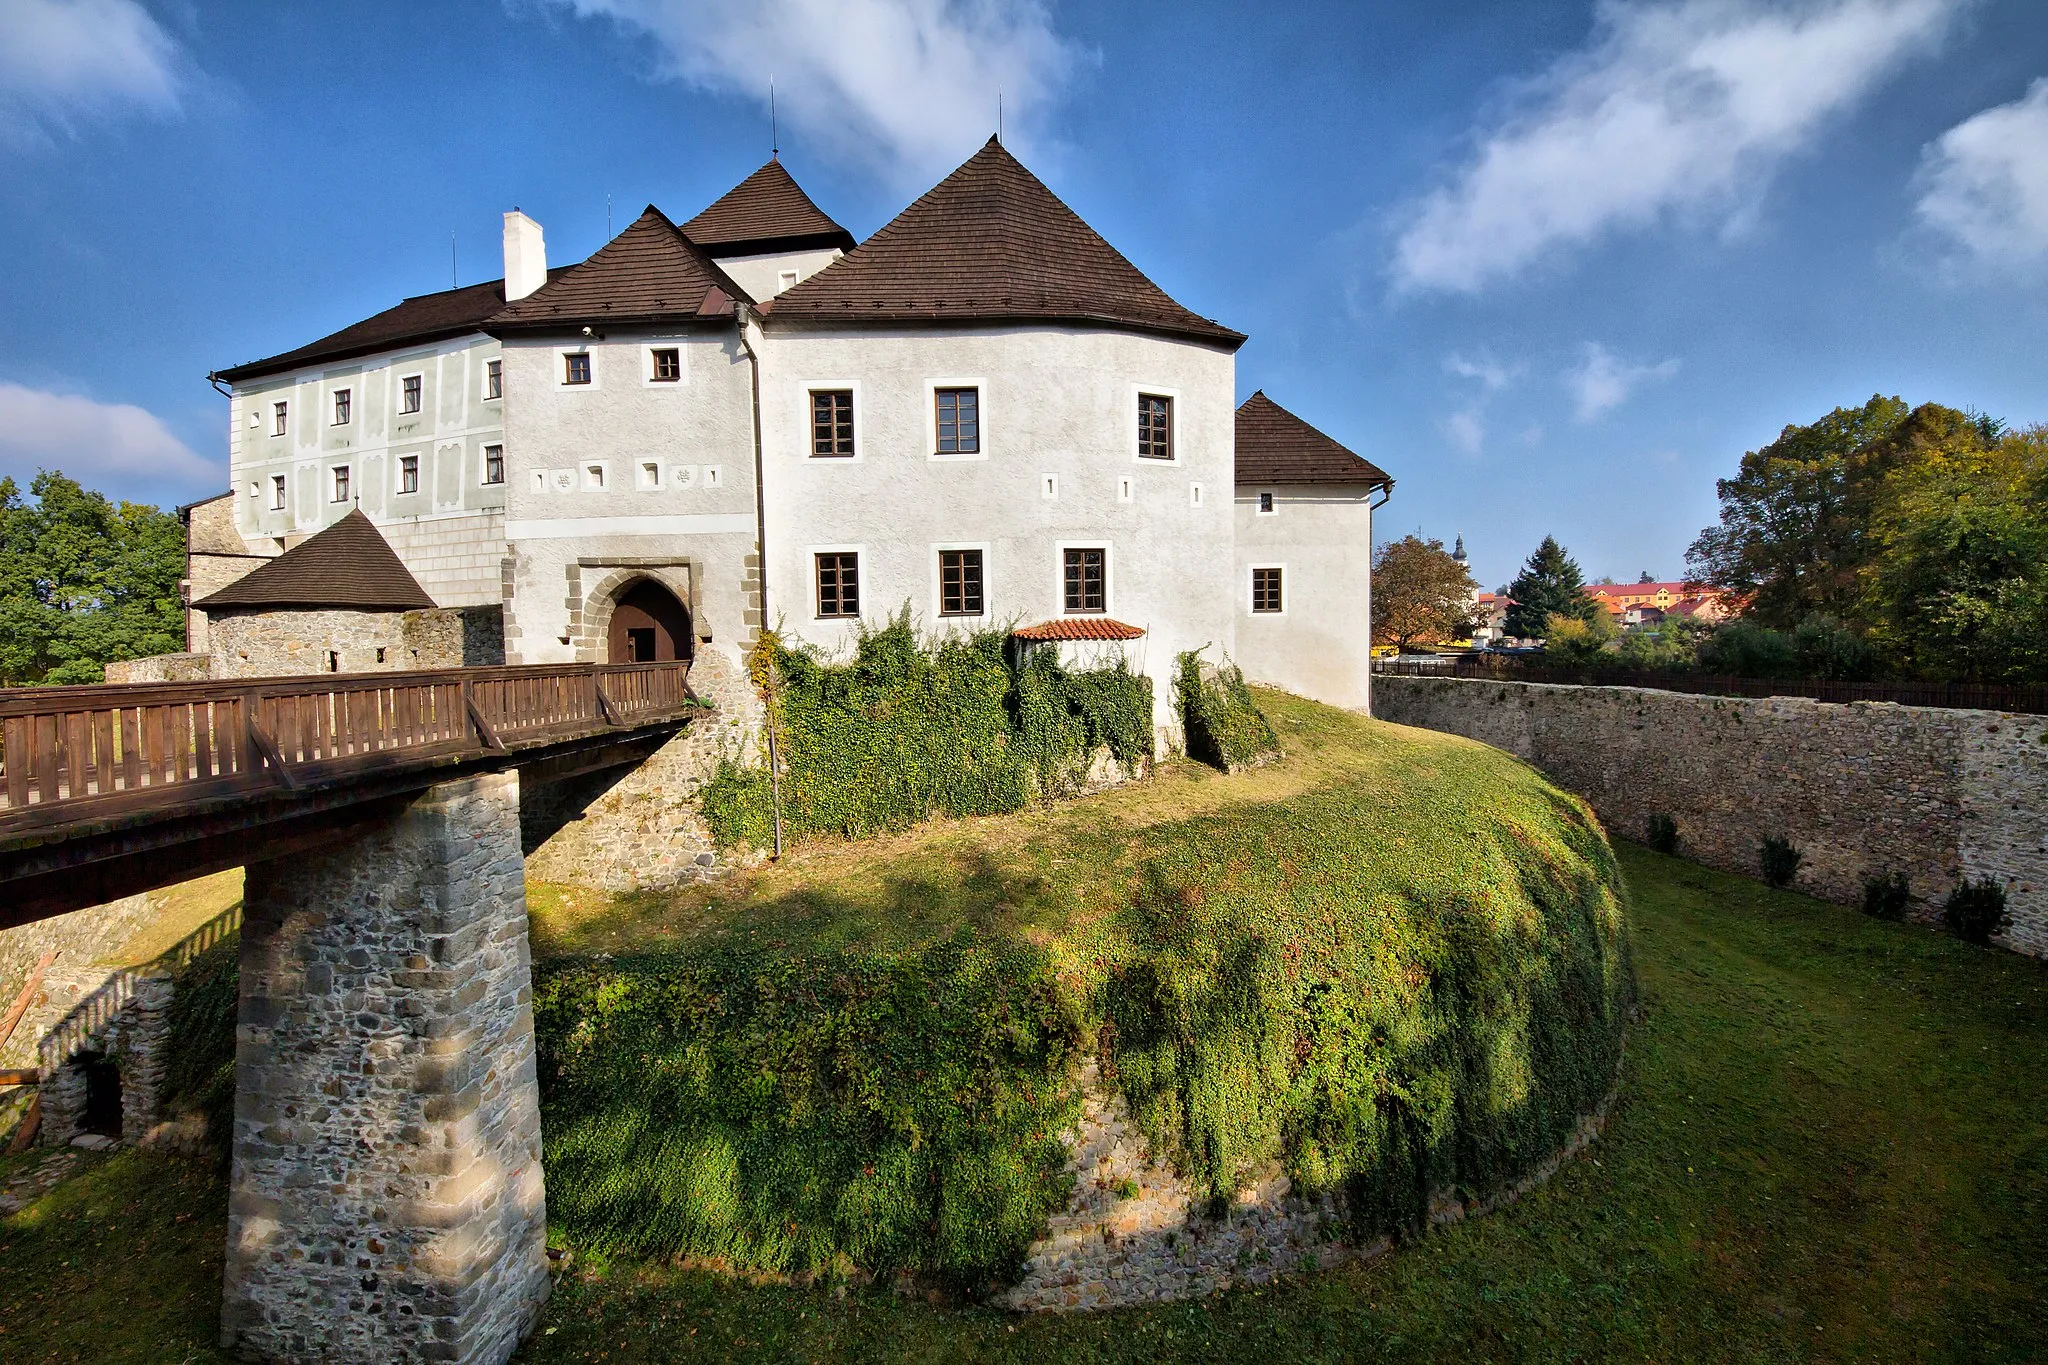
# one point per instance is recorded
(199, 1072)
(1780, 862)
(1975, 910)
(1223, 725)
(1887, 896)
(1744, 649)
(1830, 650)
(1580, 642)
(1663, 833)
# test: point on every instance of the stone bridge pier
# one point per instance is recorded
(386, 1200)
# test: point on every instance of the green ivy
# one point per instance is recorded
(910, 728)
(199, 1073)
(1224, 726)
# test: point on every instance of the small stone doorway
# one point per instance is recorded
(649, 625)
(102, 1094)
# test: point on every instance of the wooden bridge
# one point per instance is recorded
(110, 790)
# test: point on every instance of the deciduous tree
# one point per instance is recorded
(1420, 593)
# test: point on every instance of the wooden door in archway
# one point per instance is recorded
(649, 625)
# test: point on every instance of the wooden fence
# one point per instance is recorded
(86, 752)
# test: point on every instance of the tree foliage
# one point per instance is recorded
(1420, 593)
(1549, 585)
(84, 581)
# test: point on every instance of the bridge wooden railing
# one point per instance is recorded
(70, 753)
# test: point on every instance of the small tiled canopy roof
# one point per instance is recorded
(1078, 628)
(1275, 446)
(991, 243)
(648, 273)
(768, 211)
(348, 565)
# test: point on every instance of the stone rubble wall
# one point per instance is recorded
(1860, 789)
(136, 1037)
(386, 1199)
(79, 939)
(281, 643)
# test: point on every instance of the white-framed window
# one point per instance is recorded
(596, 475)
(277, 492)
(340, 474)
(648, 474)
(664, 365)
(255, 421)
(784, 279)
(1154, 423)
(956, 419)
(832, 415)
(343, 406)
(577, 369)
(1083, 577)
(835, 581)
(408, 473)
(255, 489)
(960, 580)
(1049, 487)
(1267, 587)
(279, 416)
(539, 480)
(411, 390)
(1269, 502)
(494, 379)
(494, 464)
(714, 475)
(1194, 495)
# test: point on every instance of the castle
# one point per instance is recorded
(748, 420)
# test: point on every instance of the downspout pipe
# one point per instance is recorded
(742, 317)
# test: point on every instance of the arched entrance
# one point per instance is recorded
(649, 625)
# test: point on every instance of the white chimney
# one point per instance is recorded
(526, 256)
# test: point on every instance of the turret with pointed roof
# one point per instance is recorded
(990, 243)
(768, 211)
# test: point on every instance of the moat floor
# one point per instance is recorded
(1832, 1144)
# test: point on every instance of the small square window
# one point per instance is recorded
(341, 483)
(341, 407)
(494, 464)
(277, 492)
(959, 582)
(408, 473)
(958, 420)
(1155, 427)
(1086, 580)
(1265, 504)
(784, 279)
(593, 478)
(278, 413)
(650, 474)
(409, 393)
(668, 365)
(838, 584)
(576, 367)
(831, 423)
(1266, 590)
(494, 379)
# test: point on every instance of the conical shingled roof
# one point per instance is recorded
(348, 565)
(648, 273)
(990, 243)
(765, 212)
(1275, 446)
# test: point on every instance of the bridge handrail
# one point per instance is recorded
(68, 752)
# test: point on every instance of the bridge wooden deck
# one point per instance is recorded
(93, 778)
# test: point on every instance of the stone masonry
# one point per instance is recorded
(386, 1199)
(1861, 789)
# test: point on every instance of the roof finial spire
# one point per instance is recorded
(999, 113)
(774, 133)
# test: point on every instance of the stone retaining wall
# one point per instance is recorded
(1860, 789)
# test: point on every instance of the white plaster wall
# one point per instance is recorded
(761, 275)
(1054, 401)
(1320, 645)
(693, 529)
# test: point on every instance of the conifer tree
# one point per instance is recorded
(1550, 583)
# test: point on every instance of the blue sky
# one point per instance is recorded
(1554, 266)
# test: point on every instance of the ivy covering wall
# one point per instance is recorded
(1224, 726)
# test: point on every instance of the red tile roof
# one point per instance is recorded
(648, 273)
(990, 243)
(767, 211)
(1275, 446)
(1078, 628)
(347, 565)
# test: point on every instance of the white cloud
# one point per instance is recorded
(910, 85)
(1490, 373)
(1985, 181)
(1676, 107)
(1465, 430)
(63, 59)
(1601, 381)
(89, 440)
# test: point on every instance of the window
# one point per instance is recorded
(341, 402)
(408, 473)
(959, 421)
(1194, 495)
(277, 416)
(494, 379)
(409, 393)
(959, 582)
(712, 475)
(1086, 580)
(650, 474)
(1155, 427)
(1266, 590)
(494, 464)
(784, 279)
(668, 365)
(277, 492)
(1265, 504)
(593, 478)
(341, 483)
(1049, 487)
(839, 584)
(831, 423)
(1125, 490)
(576, 367)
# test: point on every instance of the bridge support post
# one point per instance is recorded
(386, 1200)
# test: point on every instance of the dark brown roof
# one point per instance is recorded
(426, 317)
(648, 273)
(990, 243)
(347, 565)
(767, 211)
(1078, 628)
(1275, 446)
